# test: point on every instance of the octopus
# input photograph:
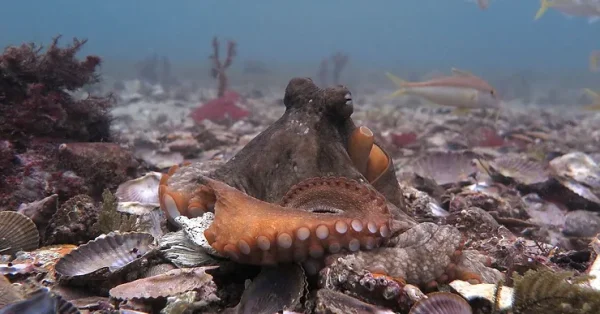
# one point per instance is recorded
(312, 185)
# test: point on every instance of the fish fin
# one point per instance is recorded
(544, 5)
(399, 82)
(595, 107)
(459, 72)
(593, 19)
(594, 95)
(461, 111)
(594, 61)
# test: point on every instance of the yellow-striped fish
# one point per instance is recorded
(582, 8)
(595, 106)
(595, 61)
(462, 90)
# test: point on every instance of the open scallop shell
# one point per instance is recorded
(578, 173)
(446, 167)
(17, 233)
(143, 189)
(441, 303)
(112, 252)
(8, 292)
(171, 283)
(519, 169)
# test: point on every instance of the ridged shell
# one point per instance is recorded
(442, 303)
(171, 283)
(42, 301)
(446, 167)
(17, 233)
(578, 173)
(143, 189)
(8, 292)
(522, 170)
(113, 252)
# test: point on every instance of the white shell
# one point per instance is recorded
(143, 189)
(484, 291)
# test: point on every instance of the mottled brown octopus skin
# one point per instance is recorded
(310, 140)
(424, 256)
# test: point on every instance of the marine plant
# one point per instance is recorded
(35, 99)
(39, 111)
(552, 292)
(109, 219)
(218, 68)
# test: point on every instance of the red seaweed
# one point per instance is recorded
(220, 109)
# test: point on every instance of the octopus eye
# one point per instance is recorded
(493, 93)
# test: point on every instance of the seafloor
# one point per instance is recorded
(498, 209)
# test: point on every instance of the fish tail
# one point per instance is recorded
(399, 82)
(595, 98)
(594, 62)
(544, 5)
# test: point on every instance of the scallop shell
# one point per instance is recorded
(17, 233)
(446, 167)
(171, 283)
(143, 189)
(579, 173)
(42, 301)
(8, 292)
(442, 303)
(520, 169)
(112, 252)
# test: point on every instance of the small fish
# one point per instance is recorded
(483, 4)
(595, 106)
(595, 61)
(570, 8)
(462, 90)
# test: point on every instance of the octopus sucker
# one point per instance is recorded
(290, 233)
(377, 164)
(359, 148)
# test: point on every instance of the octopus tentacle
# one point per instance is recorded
(189, 202)
(428, 254)
(359, 148)
(255, 232)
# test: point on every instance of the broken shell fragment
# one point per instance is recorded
(112, 252)
(171, 283)
(486, 291)
(143, 189)
(446, 167)
(274, 289)
(17, 233)
(330, 301)
(441, 303)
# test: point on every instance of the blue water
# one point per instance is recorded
(429, 33)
